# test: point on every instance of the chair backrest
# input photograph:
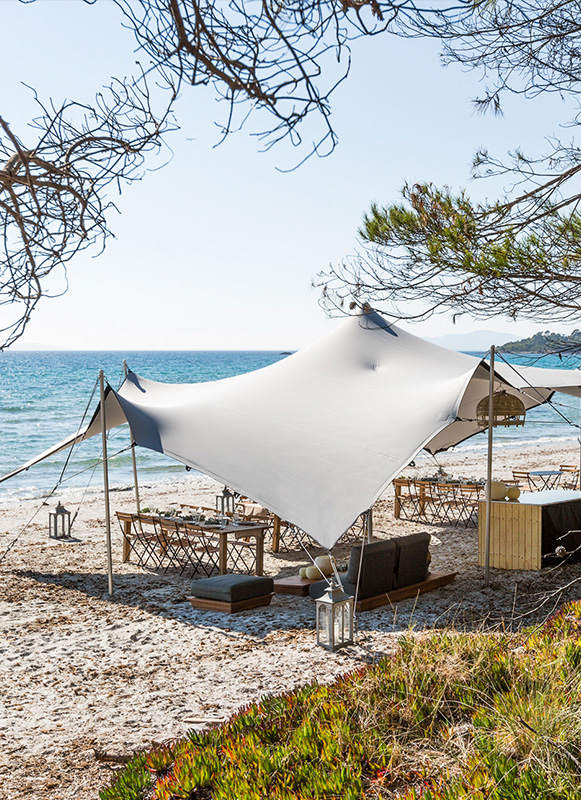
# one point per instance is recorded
(447, 491)
(404, 483)
(471, 489)
(144, 523)
(521, 476)
(570, 477)
(427, 489)
(377, 568)
(411, 559)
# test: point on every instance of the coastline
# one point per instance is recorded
(82, 672)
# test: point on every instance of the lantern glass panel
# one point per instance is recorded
(339, 625)
(343, 625)
(323, 625)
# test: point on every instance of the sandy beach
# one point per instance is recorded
(87, 679)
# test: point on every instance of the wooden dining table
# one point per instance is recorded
(226, 535)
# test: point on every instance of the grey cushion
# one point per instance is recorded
(412, 559)
(377, 571)
(232, 588)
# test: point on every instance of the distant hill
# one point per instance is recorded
(475, 342)
(543, 342)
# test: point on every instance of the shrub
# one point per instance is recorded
(449, 715)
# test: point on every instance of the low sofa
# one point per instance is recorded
(388, 565)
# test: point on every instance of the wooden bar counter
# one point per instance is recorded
(523, 530)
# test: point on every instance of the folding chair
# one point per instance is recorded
(144, 541)
(468, 510)
(570, 477)
(429, 501)
(405, 506)
(356, 531)
(523, 480)
(450, 502)
(189, 547)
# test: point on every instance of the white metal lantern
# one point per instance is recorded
(225, 501)
(334, 618)
(59, 523)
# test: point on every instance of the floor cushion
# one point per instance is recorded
(232, 588)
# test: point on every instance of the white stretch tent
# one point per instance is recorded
(317, 436)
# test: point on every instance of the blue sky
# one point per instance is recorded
(217, 250)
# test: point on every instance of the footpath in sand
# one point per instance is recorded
(84, 675)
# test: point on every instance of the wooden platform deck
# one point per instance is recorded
(300, 586)
(433, 581)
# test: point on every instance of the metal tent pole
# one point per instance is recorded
(369, 524)
(579, 440)
(489, 469)
(106, 483)
(135, 482)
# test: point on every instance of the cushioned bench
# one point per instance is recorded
(392, 570)
(231, 593)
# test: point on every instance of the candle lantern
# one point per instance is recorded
(334, 618)
(225, 501)
(59, 523)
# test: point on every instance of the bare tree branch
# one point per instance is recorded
(519, 256)
(53, 192)
(282, 58)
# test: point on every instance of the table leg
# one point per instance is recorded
(126, 540)
(422, 503)
(397, 501)
(260, 553)
(276, 534)
(223, 552)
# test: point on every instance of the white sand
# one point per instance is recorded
(81, 672)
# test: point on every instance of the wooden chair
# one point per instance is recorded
(523, 480)
(468, 512)
(570, 477)
(141, 537)
(429, 501)
(189, 548)
(406, 498)
(449, 503)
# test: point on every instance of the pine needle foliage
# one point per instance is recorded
(439, 251)
(450, 715)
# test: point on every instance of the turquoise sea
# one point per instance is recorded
(44, 396)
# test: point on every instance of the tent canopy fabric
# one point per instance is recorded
(317, 436)
(533, 385)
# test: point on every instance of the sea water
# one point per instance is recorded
(46, 396)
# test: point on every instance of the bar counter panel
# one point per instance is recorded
(523, 530)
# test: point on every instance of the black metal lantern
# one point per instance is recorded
(59, 523)
(334, 618)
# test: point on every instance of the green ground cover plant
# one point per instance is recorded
(485, 716)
